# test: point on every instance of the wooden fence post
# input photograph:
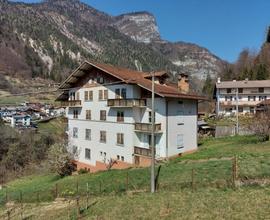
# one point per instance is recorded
(87, 195)
(193, 179)
(56, 191)
(8, 214)
(21, 203)
(6, 196)
(99, 186)
(234, 171)
(38, 200)
(127, 181)
(77, 186)
(78, 205)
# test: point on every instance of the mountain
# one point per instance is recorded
(51, 38)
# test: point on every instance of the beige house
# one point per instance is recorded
(243, 95)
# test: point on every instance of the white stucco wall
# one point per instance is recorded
(182, 120)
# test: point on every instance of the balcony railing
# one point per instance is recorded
(240, 103)
(145, 127)
(126, 102)
(71, 103)
(142, 151)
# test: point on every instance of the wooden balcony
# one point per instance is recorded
(240, 103)
(142, 151)
(145, 127)
(126, 103)
(72, 103)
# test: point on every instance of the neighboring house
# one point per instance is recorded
(20, 121)
(245, 94)
(109, 116)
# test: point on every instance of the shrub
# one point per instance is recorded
(60, 160)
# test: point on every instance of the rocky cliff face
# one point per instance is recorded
(140, 26)
(51, 38)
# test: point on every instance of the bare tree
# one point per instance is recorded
(260, 125)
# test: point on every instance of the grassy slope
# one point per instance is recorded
(175, 197)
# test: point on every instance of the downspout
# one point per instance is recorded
(167, 132)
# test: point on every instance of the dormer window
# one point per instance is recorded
(100, 80)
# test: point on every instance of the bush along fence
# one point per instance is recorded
(220, 173)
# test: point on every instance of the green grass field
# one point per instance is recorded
(214, 198)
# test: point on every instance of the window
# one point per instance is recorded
(77, 96)
(117, 93)
(240, 109)
(103, 136)
(229, 90)
(240, 90)
(87, 134)
(180, 141)
(150, 116)
(124, 93)
(103, 115)
(122, 158)
(100, 95)
(72, 96)
(261, 90)
(87, 153)
(88, 115)
(100, 80)
(88, 96)
(74, 149)
(120, 116)
(118, 157)
(105, 94)
(75, 114)
(251, 98)
(120, 138)
(180, 117)
(75, 132)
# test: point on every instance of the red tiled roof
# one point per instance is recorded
(129, 76)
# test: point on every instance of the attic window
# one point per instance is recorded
(100, 80)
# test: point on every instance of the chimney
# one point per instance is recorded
(218, 80)
(183, 83)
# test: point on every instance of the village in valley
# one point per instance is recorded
(100, 117)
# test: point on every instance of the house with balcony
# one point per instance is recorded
(240, 96)
(109, 116)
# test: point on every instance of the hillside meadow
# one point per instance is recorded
(195, 186)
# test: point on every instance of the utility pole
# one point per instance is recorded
(153, 136)
(237, 119)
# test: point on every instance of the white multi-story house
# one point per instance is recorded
(109, 116)
(244, 95)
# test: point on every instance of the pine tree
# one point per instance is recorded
(208, 87)
(262, 73)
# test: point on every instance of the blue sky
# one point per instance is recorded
(225, 27)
